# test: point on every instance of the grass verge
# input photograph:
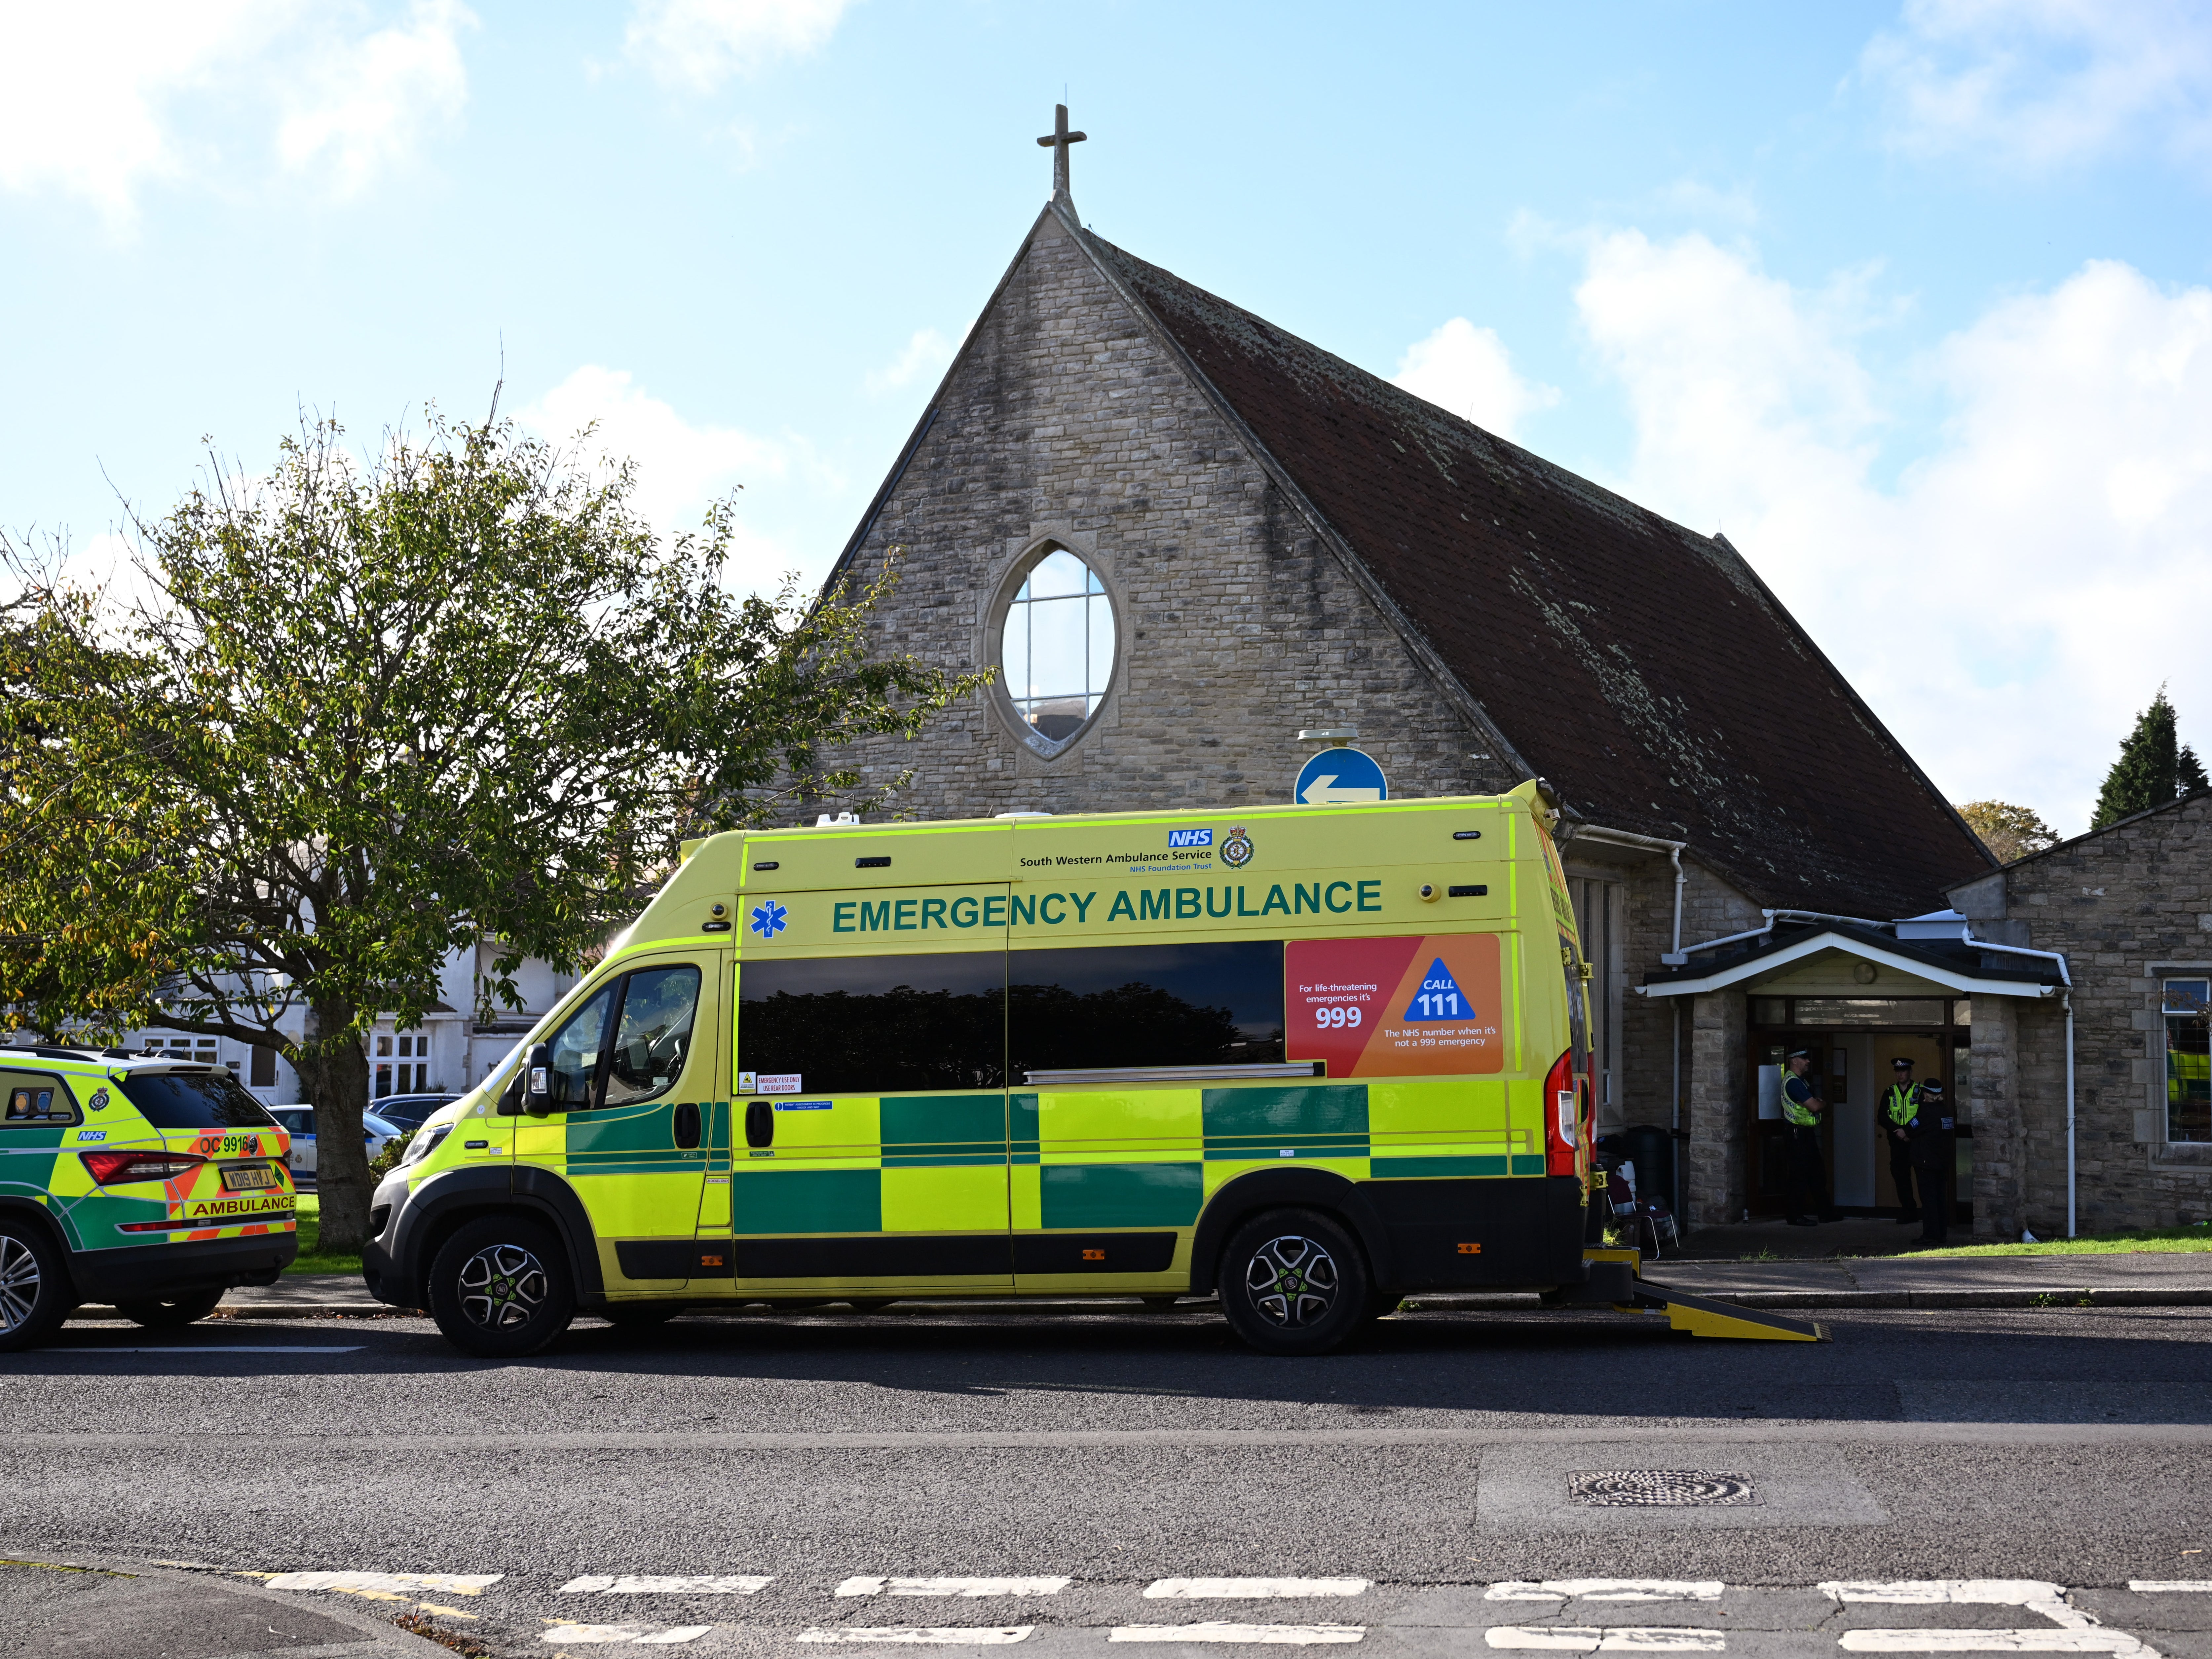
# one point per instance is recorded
(2150, 1241)
(310, 1260)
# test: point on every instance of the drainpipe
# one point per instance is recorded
(1673, 958)
(2069, 999)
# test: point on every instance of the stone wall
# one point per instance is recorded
(1065, 420)
(2126, 905)
(1719, 1080)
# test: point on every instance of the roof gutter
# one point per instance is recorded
(1672, 956)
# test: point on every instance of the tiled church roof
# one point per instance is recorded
(1642, 668)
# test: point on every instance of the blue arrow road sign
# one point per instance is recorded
(1340, 777)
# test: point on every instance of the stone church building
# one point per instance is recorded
(1185, 536)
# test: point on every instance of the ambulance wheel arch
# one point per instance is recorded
(460, 1197)
(12, 1209)
(35, 1292)
(1247, 1196)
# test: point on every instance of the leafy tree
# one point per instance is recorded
(2154, 768)
(2009, 832)
(369, 714)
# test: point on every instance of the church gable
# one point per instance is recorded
(1644, 669)
(1067, 440)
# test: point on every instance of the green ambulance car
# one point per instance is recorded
(1307, 1058)
(152, 1184)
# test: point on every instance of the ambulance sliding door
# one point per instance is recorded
(868, 1134)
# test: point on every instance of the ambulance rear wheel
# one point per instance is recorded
(170, 1313)
(1294, 1282)
(500, 1288)
(34, 1288)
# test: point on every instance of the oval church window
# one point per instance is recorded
(1057, 650)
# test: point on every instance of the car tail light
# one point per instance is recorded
(109, 1168)
(1562, 1117)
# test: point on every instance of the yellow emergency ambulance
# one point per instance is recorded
(154, 1184)
(1309, 1058)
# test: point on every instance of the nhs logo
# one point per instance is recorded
(1190, 838)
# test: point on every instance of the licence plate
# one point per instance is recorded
(252, 1178)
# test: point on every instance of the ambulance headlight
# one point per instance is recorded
(424, 1144)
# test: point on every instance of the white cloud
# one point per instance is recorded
(681, 468)
(925, 352)
(699, 44)
(1468, 370)
(365, 101)
(99, 101)
(2040, 82)
(2024, 588)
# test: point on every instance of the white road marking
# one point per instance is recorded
(1964, 1592)
(233, 1347)
(965, 1586)
(1991, 1641)
(2071, 1629)
(1618, 1638)
(1607, 1590)
(1214, 1630)
(2171, 1586)
(1198, 1589)
(957, 1636)
(634, 1635)
(451, 1583)
(630, 1583)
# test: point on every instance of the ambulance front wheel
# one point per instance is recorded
(1294, 1282)
(34, 1287)
(500, 1288)
(171, 1313)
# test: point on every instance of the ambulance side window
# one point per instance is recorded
(1145, 1005)
(874, 1025)
(576, 1045)
(654, 1035)
(34, 1100)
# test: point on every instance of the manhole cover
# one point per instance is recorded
(1622, 1489)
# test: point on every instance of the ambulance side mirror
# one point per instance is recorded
(537, 1085)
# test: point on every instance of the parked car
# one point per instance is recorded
(408, 1111)
(299, 1121)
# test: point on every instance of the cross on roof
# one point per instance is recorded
(1057, 142)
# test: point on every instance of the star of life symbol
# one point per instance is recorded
(1236, 851)
(768, 919)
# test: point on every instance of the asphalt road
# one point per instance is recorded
(2069, 1449)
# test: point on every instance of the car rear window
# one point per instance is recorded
(194, 1100)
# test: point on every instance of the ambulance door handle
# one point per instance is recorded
(760, 1123)
(687, 1125)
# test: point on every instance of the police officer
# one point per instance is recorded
(1899, 1103)
(1806, 1191)
(1932, 1134)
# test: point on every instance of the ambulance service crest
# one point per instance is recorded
(1236, 851)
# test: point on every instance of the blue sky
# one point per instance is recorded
(1915, 303)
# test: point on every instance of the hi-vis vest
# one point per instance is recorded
(1803, 1116)
(1902, 1103)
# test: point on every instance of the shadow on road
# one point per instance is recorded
(2088, 1365)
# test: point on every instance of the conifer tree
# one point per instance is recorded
(2151, 769)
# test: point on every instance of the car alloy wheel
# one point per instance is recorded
(1293, 1281)
(20, 1281)
(502, 1285)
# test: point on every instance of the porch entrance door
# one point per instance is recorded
(1927, 1057)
